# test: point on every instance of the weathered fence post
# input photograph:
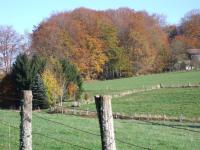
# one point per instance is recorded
(26, 121)
(104, 112)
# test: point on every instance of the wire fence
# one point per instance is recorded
(5, 123)
(8, 137)
(91, 133)
(46, 136)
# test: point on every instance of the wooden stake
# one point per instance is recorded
(26, 121)
(104, 112)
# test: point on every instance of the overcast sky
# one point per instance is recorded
(24, 14)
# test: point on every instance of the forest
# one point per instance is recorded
(116, 43)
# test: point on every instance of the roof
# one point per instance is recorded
(193, 51)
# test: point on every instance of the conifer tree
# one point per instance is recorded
(26, 75)
(22, 72)
(39, 93)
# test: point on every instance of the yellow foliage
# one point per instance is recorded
(97, 56)
(52, 87)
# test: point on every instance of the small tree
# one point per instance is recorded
(39, 94)
(52, 87)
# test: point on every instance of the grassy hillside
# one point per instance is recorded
(144, 80)
(171, 102)
(146, 134)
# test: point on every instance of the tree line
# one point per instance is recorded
(115, 43)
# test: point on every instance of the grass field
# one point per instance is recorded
(48, 135)
(171, 102)
(146, 134)
(143, 81)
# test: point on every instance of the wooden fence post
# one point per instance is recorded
(26, 121)
(104, 112)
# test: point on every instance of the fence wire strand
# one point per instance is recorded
(49, 137)
(61, 141)
(94, 134)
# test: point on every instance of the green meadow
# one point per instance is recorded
(48, 135)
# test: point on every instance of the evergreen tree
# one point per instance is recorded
(37, 64)
(22, 72)
(26, 75)
(39, 93)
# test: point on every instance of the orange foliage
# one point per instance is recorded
(85, 37)
(72, 88)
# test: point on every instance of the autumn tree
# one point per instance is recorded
(52, 87)
(190, 28)
(142, 38)
(97, 57)
(117, 59)
(184, 37)
(10, 46)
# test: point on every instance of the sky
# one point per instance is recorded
(24, 14)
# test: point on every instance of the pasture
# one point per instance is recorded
(173, 78)
(171, 102)
(165, 101)
(52, 136)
